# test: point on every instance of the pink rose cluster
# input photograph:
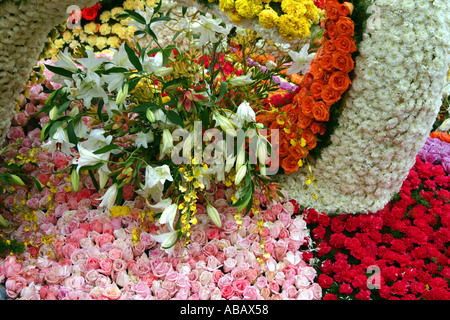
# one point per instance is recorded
(93, 256)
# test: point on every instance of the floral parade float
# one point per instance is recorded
(141, 164)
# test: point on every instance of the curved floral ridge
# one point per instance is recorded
(24, 26)
(380, 129)
(389, 110)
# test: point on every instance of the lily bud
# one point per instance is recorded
(122, 94)
(53, 115)
(75, 180)
(168, 215)
(240, 175)
(16, 180)
(167, 143)
(225, 124)
(214, 215)
(150, 116)
(262, 150)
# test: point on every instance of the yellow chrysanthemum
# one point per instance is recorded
(226, 5)
(114, 42)
(291, 27)
(90, 28)
(248, 9)
(268, 18)
(293, 7)
(104, 29)
(105, 16)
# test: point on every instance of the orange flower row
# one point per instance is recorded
(327, 79)
(443, 136)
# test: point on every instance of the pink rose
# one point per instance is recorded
(128, 192)
(213, 233)
(101, 239)
(15, 133)
(251, 274)
(229, 264)
(112, 292)
(78, 234)
(316, 291)
(305, 294)
(205, 278)
(141, 288)
(225, 280)
(14, 285)
(269, 215)
(199, 236)
(162, 294)
(106, 266)
(182, 281)
(277, 208)
(119, 265)
(170, 286)
(285, 219)
(147, 240)
(138, 249)
(251, 293)
(212, 263)
(274, 287)
(210, 249)
(92, 263)
(182, 293)
(289, 207)
(115, 253)
(97, 226)
(239, 285)
(69, 248)
(160, 269)
(309, 273)
(108, 228)
(227, 292)
(46, 167)
(261, 282)
(91, 276)
(141, 268)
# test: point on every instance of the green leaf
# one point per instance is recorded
(175, 118)
(161, 19)
(63, 107)
(116, 70)
(106, 149)
(142, 108)
(71, 133)
(172, 84)
(136, 16)
(94, 181)
(133, 58)
(222, 90)
(61, 71)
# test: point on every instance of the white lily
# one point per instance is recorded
(207, 29)
(225, 124)
(88, 158)
(109, 198)
(167, 240)
(143, 139)
(97, 140)
(92, 63)
(151, 64)
(242, 80)
(245, 113)
(114, 80)
(157, 175)
(168, 215)
(301, 60)
(103, 173)
(120, 59)
(59, 137)
(160, 206)
(89, 87)
(65, 61)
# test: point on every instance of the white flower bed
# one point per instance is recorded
(389, 110)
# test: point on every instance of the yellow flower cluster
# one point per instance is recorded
(292, 17)
(100, 35)
(118, 211)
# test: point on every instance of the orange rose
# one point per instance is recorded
(283, 147)
(289, 164)
(311, 139)
(292, 117)
(339, 81)
(329, 95)
(345, 44)
(320, 111)
(343, 61)
(298, 98)
(345, 27)
(317, 70)
(288, 107)
(304, 121)
(308, 79)
(307, 105)
(332, 10)
(316, 88)
(344, 10)
(331, 31)
(316, 127)
(329, 46)
(327, 62)
(298, 152)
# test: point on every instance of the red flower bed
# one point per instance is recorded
(400, 252)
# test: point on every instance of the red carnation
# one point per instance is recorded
(325, 281)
